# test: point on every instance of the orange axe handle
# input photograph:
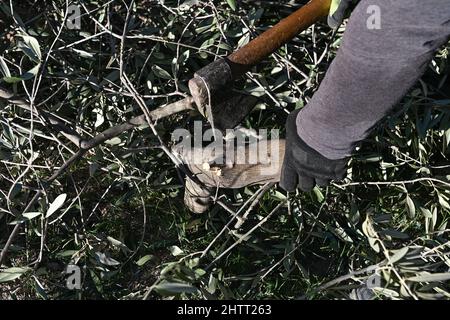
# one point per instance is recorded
(272, 39)
(209, 85)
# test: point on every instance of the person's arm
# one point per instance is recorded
(373, 69)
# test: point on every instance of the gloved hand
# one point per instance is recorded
(305, 167)
(338, 9)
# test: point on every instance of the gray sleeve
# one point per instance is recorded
(374, 68)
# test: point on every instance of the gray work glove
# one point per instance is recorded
(304, 166)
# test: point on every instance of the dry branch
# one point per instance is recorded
(155, 115)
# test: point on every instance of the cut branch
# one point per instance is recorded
(155, 115)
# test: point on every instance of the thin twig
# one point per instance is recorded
(241, 238)
(393, 183)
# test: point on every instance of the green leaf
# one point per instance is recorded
(16, 189)
(12, 273)
(225, 46)
(426, 212)
(386, 292)
(161, 73)
(212, 284)
(200, 272)
(83, 54)
(4, 68)
(374, 244)
(410, 207)
(398, 254)
(187, 4)
(31, 215)
(394, 234)
(40, 290)
(93, 168)
(168, 288)
(371, 234)
(118, 244)
(30, 46)
(56, 204)
(176, 251)
(25, 217)
(244, 40)
(104, 259)
(113, 141)
(232, 4)
(30, 74)
(33, 44)
(443, 202)
(12, 79)
(319, 195)
(66, 253)
(447, 137)
(277, 195)
(144, 260)
(431, 277)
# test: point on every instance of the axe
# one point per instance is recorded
(211, 95)
(210, 85)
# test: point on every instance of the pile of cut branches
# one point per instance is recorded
(87, 178)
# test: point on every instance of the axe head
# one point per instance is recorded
(212, 91)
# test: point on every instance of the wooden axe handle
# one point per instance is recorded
(272, 39)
